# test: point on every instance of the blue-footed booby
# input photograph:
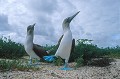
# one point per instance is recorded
(33, 50)
(65, 46)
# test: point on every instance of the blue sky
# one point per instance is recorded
(99, 20)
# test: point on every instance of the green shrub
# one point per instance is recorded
(58, 61)
(79, 62)
(114, 55)
(85, 48)
(113, 52)
(10, 49)
(6, 65)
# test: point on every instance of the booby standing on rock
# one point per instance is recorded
(64, 48)
(33, 50)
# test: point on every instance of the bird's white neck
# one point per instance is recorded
(29, 38)
(66, 27)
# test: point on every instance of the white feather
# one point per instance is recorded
(65, 45)
(29, 46)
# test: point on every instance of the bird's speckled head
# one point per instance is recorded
(67, 21)
(30, 29)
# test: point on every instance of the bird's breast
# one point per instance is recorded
(28, 43)
(67, 37)
(65, 45)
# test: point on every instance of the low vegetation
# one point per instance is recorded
(85, 53)
(10, 49)
(7, 65)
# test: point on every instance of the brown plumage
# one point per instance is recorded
(73, 45)
(39, 51)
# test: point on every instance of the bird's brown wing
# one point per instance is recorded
(59, 40)
(73, 45)
(39, 51)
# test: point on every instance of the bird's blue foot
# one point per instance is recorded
(33, 64)
(49, 58)
(30, 61)
(66, 67)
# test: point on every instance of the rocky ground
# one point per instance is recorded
(48, 71)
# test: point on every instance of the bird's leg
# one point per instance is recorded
(66, 66)
(37, 61)
(30, 61)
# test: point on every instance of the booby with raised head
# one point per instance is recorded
(33, 50)
(65, 46)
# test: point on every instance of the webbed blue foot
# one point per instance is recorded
(34, 64)
(66, 67)
(30, 63)
(49, 58)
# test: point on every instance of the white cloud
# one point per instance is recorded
(98, 20)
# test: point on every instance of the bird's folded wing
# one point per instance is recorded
(39, 50)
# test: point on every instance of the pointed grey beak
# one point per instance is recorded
(70, 18)
(34, 24)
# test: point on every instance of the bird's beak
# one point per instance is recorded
(33, 25)
(70, 18)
